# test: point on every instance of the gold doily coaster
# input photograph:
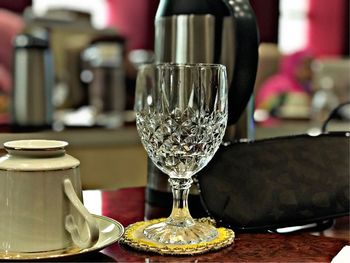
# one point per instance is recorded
(134, 238)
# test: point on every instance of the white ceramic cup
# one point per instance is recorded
(41, 205)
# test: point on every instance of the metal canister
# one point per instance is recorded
(33, 80)
(103, 60)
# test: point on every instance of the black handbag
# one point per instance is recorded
(280, 182)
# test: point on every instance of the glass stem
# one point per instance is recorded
(180, 215)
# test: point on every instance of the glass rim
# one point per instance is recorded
(183, 65)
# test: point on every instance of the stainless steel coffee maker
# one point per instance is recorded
(206, 31)
(103, 71)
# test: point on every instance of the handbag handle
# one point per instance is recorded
(332, 114)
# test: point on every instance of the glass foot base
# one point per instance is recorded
(184, 234)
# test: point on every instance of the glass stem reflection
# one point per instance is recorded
(180, 215)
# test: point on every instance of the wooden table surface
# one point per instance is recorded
(127, 206)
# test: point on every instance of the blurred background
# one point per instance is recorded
(89, 52)
(97, 44)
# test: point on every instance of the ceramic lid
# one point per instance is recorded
(35, 147)
(35, 144)
(37, 155)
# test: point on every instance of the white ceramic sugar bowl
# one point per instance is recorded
(41, 205)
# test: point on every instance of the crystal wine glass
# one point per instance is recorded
(181, 115)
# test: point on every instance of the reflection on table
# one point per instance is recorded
(127, 206)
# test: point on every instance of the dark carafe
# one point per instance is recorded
(206, 31)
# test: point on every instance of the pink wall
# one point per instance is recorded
(327, 34)
(134, 20)
(267, 12)
(327, 27)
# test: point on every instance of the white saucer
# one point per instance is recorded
(110, 232)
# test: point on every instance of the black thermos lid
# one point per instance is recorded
(29, 41)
